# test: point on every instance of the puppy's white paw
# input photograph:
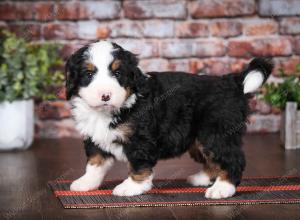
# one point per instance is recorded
(85, 183)
(199, 179)
(220, 190)
(92, 178)
(131, 188)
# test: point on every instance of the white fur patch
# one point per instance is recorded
(92, 178)
(220, 190)
(253, 81)
(130, 101)
(94, 123)
(130, 187)
(199, 179)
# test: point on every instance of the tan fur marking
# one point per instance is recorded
(128, 92)
(90, 67)
(115, 65)
(126, 129)
(212, 169)
(196, 152)
(140, 176)
(96, 159)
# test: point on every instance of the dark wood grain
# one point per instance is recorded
(24, 175)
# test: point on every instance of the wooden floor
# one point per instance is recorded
(24, 193)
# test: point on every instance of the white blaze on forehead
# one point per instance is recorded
(101, 54)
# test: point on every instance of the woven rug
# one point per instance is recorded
(256, 190)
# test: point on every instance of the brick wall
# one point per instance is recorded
(208, 36)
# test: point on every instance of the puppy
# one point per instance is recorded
(127, 115)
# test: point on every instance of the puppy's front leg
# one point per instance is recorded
(97, 166)
(138, 182)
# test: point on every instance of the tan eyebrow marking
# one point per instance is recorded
(90, 67)
(115, 65)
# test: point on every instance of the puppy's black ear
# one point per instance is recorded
(71, 78)
(73, 68)
(131, 58)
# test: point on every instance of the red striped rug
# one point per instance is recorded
(256, 190)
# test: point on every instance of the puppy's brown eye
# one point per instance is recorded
(117, 73)
(90, 74)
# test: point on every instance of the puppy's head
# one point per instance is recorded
(104, 75)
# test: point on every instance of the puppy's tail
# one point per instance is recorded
(256, 74)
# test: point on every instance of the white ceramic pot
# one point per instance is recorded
(16, 124)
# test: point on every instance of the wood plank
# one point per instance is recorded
(290, 125)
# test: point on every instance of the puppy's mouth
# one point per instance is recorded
(105, 107)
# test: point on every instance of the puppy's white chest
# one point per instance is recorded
(94, 124)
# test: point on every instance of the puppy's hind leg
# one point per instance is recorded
(203, 177)
(228, 177)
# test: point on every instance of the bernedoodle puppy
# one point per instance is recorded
(140, 118)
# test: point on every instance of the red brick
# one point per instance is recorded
(192, 48)
(8, 11)
(178, 48)
(225, 28)
(237, 65)
(260, 106)
(221, 8)
(155, 9)
(102, 32)
(100, 9)
(196, 66)
(192, 29)
(279, 46)
(3, 26)
(209, 48)
(16, 11)
(264, 123)
(92, 30)
(278, 7)
(297, 45)
(290, 25)
(60, 31)
(53, 110)
(215, 66)
(158, 28)
(44, 11)
(143, 48)
(69, 49)
(70, 11)
(156, 64)
(61, 92)
(260, 27)
(56, 129)
(240, 48)
(139, 29)
(186, 65)
(88, 10)
(221, 66)
(289, 65)
(179, 65)
(125, 28)
(28, 31)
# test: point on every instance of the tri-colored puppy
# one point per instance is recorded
(140, 118)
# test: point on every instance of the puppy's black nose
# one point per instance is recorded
(105, 97)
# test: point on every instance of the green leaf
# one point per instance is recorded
(28, 70)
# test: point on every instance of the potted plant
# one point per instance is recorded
(27, 71)
(285, 95)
